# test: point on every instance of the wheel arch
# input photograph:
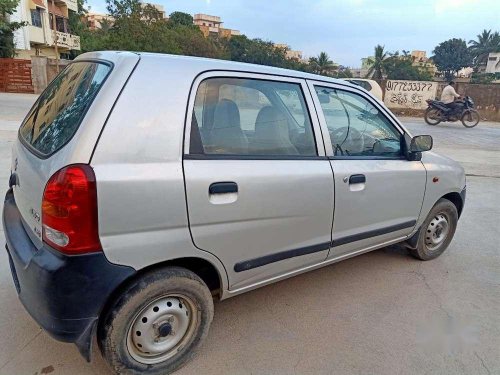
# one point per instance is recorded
(203, 268)
(456, 199)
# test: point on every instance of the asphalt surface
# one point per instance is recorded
(378, 313)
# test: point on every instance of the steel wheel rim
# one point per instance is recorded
(437, 231)
(162, 328)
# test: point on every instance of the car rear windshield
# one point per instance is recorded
(60, 109)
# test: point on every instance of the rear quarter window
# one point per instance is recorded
(60, 109)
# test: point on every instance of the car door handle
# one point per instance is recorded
(357, 179)
(223, 188)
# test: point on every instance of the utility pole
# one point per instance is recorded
(55, 34)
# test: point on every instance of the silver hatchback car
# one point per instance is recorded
(144, 185)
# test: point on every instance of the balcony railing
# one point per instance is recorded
(68, 40)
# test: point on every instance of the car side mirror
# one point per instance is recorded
(421, 143)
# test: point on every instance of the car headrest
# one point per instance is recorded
(226, 115)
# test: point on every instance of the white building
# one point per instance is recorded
(38, 37)
(212, 25)
(290, 54)
(493, 64)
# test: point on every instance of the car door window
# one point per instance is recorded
(237, 116)
(356, 126)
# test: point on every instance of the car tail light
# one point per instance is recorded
(69, 211)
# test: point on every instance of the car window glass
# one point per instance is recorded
(356, 126)
(364, 84)
(61, 107)
(295, 104)
(249, 101)
(236, 116)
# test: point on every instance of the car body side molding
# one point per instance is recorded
(282, 255)
(373, 233)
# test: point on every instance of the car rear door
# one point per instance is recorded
(259, 187)
(378, 192)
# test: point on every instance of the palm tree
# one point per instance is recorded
(322, 64)
(486, 43)
(377, 68)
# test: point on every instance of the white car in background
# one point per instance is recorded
(369, 85)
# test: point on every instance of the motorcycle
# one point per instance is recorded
(464, 111)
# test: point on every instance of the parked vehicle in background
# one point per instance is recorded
(129, 208)
(369, 85)
(464, 111)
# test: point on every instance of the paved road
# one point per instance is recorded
(379, 313)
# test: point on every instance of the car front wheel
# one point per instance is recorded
(437, 231)
(157, 323)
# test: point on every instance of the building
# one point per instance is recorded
(290, 54)
(421, 61)
(493, 64)
(96, 20)
(160, 8)
(212, 25)
(366, 63)
(38, 37)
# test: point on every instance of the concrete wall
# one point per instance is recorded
(486, 99)
(44, 70)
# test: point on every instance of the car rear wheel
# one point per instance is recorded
(437, 231)
(157, 324)
(432, 116)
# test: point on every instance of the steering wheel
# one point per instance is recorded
(348, 139)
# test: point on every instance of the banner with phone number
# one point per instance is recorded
(409, 94)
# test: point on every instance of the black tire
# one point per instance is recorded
(427, 116)
(118, 322)
(470, 118)
(426, 249)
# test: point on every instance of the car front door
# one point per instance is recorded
(378, 191)
(259, 186)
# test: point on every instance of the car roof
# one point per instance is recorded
(197, 65)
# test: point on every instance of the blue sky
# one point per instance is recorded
(349, 29)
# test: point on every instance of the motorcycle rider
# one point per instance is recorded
(449, 95)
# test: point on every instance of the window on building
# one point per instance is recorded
(61, 23)
(36, 17)
(238, 116)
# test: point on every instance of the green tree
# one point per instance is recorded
(401, 67)
(180, 18)
(377, 68)
(7, 28)
(451, 56)
(322, 64)
(192, 43)
(77, 24)
(137, 27)
(124, 8)
(486, 43)
(343, 72)
(256, 51)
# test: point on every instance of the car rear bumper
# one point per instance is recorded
(64, 294)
